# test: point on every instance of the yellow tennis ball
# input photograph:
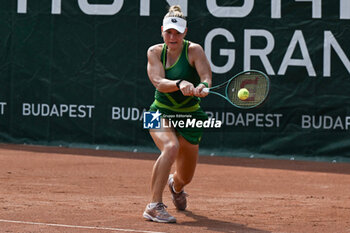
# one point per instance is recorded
(243, 94)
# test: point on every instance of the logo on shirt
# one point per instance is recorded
(151, 120)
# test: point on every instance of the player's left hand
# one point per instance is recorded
(198, 91)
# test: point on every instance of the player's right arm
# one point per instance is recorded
(156, 73)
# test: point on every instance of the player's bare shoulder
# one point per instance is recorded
(195, 52)
(195, 48)
(155, 51)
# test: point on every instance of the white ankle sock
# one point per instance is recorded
(152, 204)
(175, 190)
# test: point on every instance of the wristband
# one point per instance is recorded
(178, 83)
(205, 84)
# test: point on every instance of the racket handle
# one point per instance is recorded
(206, 90)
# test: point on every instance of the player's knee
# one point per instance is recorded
(171, 149)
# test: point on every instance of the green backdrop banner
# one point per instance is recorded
(73, 72)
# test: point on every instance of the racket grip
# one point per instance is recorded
(206, 90)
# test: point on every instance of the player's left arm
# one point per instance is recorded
(199, 60)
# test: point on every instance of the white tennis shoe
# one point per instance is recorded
(158, 214)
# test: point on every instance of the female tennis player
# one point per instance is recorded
(179, 70)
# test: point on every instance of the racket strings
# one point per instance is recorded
(257, 85)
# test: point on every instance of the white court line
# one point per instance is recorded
(73, 226)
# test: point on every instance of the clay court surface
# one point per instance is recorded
(50, 189)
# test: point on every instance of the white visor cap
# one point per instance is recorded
(176, 23)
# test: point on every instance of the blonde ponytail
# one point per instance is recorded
(175, 11)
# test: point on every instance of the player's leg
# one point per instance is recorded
(186, 162)
(167, 142)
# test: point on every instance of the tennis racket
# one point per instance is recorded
(257, 83)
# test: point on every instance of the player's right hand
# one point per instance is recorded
(186, 88)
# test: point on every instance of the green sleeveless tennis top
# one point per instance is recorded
(181, 69)
(170, 104)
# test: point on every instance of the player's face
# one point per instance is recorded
(173, 38)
